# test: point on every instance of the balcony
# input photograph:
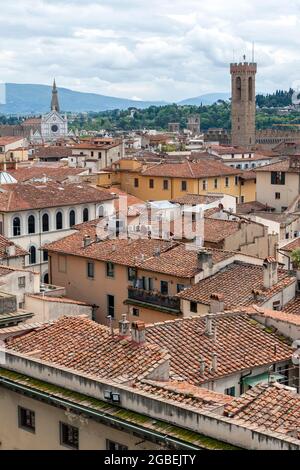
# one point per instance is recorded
(153, 299)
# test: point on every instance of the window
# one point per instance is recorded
(101, 211)
(131, 274)
(92, 153)
(193, 307)
(69, 436)
(204, 185)
(236, 180)
(277, 195)
(62, 264)
(180, 288)
(16, 226)
(135, 312)
(111, 306)
(238, 88)
(31, 224)
(85, 216)
(59, 221)
(277, 305)
(227, 181)
(136, 182)
(110, 445)
(22, 282)
(277, 177)
(230, 391)
(45, 255)
(90, 270)
(26, 419)
(250, 89)
(166, 185)
(46, 278)
(99, 155)
(151, 184)
(110, 269)
(45, 223)
(164, 287)
(32, 255)
(216, 183)
(183, 185)
(72, 218)
(242, 199)
(147, 283)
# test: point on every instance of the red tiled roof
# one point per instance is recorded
(192, 199)
(174, 259)
(62, 300)
(5, 243)
(271, 407)
(238, 343)
(236, 282)
(85, 346)
(291, 246)
(216, 230)
(10, 140)
(56, 173)
(293, 307)
(200, 169)
(54, 151)
(19, 197)
(253, 206)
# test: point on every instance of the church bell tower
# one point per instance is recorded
(243, 103)
(54, 101)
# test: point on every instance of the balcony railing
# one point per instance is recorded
(154, 298)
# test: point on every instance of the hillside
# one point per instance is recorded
(35, 99)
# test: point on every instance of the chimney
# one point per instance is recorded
(209, 326)
(138, 332)
(87, 240)
(124, 329)
(202, 366)
(216, 303)
(11, 250)
(270, 270)
(214, 364)
(204, 259)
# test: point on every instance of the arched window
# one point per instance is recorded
(32, 255)
(31, 224)
(238, 88)
(59, 221)
(45, 223)
(72, 218)
(85, 215)
(101, 211)
(46, 278)
(250, 89)
(17, 226)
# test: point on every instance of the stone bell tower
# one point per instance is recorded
(243, 105)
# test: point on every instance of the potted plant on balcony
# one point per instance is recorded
(295, 257)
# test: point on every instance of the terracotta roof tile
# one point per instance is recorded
(272, 407)
(18, 197)
(237, 282)
(238, 343)
(83, 345)
(201, 169)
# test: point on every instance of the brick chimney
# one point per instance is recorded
(217, 304)
(138, 332)
(124, 327)
(270, 271)
(204, 259)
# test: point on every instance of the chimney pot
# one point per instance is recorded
(209, 326)
(202, 366)
(270, 272)
(204, 259)
(124, 326)
(217, 303)
(138, 332)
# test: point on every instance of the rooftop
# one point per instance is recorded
(5, 243)
(201, 169)
(272, 407)
(195, 199)
(83, 345)
(19, 197)
(237, 282)
(57, 173)
(238, 343)
(248, 207)
(288, 165)
(291, 246)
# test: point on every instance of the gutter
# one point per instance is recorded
(117, 422)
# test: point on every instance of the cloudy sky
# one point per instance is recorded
(154, 50)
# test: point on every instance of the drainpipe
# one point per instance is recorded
(286, 256)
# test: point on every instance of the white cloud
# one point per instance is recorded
(159, 50)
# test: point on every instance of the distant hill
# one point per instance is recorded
(206, 100)
(35, 99)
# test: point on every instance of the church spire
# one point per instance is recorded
(54, 101)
